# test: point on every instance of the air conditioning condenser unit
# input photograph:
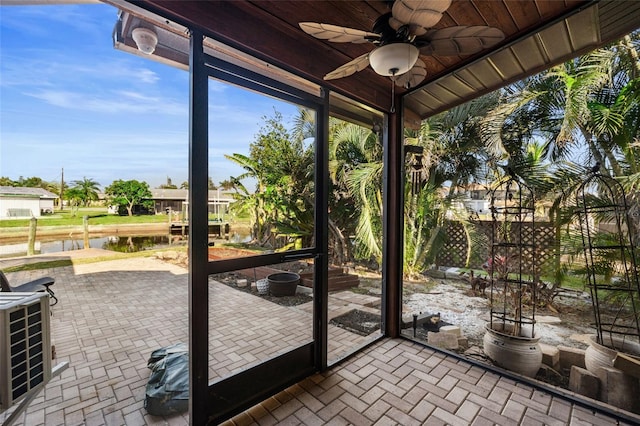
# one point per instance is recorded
(25, 345)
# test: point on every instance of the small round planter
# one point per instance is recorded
(283, 283)
(519, 354)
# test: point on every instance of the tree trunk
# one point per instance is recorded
(593, 149)
(341, 249)
(628, 44)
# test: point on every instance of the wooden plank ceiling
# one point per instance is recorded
(269, 31)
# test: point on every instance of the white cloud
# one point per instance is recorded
(148, 76)
(111, 103)
(45, 67)
(88, 20)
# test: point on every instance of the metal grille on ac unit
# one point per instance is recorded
(25, 345)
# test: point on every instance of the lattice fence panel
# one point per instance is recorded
(453, 253)
(547, 245)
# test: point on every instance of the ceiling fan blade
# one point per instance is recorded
(351, 67)
(413, 77)
(418, 14)
(337, 34)
(459, 40)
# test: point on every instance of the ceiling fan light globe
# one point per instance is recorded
(393, 59)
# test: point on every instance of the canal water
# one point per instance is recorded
(119, 243)
(124, 244)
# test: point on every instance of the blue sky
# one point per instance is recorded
(69, 100)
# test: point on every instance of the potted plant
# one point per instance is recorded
(510, 340)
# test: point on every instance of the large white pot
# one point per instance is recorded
(618, 390)
(521, 355)
(598, 356)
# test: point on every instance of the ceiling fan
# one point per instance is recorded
(400, 36)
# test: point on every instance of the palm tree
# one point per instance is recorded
(343, 213)
(355, 168)
(248, 201)
(355, 188)
(583, 111)
(304, 126)
(168, 185)
(282, 168)
(75, 197)
(586, 110)
(88, 190)
(226, 184)
(590, 103)
(450, 152)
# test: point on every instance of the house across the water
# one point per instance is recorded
(177, 202)
(21, 202)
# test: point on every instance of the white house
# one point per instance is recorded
(177, 200)
(21, 202)
(473, 198)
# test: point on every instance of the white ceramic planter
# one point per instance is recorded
(598, 356)
(521, 355)
(620, 390)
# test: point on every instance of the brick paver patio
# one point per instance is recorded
(398, 382)
(112, 314)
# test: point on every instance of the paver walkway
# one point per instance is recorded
(112, 314)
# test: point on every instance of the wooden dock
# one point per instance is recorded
(220, 229)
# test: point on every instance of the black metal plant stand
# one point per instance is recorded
(512, 262)
(611, 265)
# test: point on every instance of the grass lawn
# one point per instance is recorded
(96, 217)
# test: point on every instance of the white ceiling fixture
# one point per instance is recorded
(145, 39)
(393, 59)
